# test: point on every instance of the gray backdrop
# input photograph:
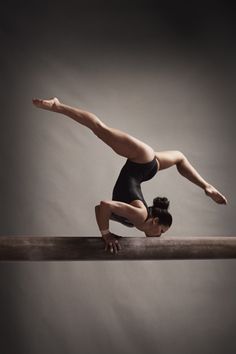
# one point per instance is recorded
(165, 74)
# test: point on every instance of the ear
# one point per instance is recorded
(155, 220)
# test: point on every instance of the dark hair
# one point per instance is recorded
(160, 209)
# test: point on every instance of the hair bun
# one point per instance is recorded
(162, 203)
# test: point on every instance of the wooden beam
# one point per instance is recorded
(44, 248)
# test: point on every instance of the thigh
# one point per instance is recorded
(168, 159)
(126, 145)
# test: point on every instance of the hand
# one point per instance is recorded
(112, 243)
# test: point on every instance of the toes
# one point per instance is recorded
(224, 200)
(36, 100)
(221, 199)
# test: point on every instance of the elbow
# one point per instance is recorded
(104, 203)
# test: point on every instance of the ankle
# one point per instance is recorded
(57, 107)
(207, 186)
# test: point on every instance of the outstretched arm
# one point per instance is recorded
(170, 158)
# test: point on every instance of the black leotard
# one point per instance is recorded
(128, 185)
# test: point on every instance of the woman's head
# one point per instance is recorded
(160, 219)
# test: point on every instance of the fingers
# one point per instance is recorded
(118, 245)
(112, 245)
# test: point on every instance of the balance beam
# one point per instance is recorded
(44, 248)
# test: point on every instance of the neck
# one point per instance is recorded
(145, 226)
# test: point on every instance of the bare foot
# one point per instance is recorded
(214, 194)
(51, 104)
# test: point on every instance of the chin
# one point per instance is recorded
(152, 235)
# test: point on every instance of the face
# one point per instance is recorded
(155, 229)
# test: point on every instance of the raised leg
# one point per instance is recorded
(122, 143)
(170, 158)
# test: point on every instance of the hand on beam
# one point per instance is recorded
(111, 242)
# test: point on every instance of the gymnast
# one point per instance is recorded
(128, 205)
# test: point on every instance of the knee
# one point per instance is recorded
(181, 158)
(100, 129)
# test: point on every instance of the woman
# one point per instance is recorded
(128, 205)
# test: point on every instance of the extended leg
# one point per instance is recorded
(122, 143)
(170, 158)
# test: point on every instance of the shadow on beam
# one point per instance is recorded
(35, 248)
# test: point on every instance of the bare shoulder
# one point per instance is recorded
(138, 204)
(141, 207)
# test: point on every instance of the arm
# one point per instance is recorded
(136, 214)
(107, 237)
(167, 159)
(97, 213)
(103, 212)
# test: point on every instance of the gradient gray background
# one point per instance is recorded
(165, 74)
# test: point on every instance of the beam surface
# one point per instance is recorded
(44, 248)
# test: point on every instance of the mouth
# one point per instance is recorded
(152, 235)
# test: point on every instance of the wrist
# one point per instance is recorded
(105, 232)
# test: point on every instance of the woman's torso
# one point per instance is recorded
(128, 185)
